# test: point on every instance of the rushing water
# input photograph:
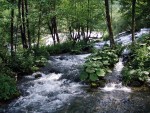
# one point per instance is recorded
(59, 91)
(124, 38)
(114, 79)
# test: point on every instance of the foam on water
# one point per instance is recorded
(49, 90)
(119, 66)
(124, 39)
(115, 87)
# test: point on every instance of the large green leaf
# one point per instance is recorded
(100, 73)
(83, 76)
(90, 70)
(131, 72)
(108, 70)
(88, 64)
(95, 65)
(105, 62)
(145, 72)
(93, 77)
(96, 58)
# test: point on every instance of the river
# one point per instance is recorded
(59, 90)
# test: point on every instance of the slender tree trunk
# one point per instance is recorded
(111, 10)
(27, 24)
(19, 16)
(22, 22)
(55, 30)
(12, 29)
(87, 37)
(23, 25)
(71, 33)
(16, 37)
(112, 43)
(133, 19)
(51, 32)
(39, 28)
(82, 32)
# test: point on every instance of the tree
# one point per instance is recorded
(142, 15)
(27, 23)
(112, 43)
(12, 27)
(21, 16)
(133, 19)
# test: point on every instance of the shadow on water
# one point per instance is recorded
(61, 92)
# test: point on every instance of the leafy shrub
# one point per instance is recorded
(98, 64)
(40, 61)
(26, 62)
(22, 62)
(59, 48)
(8, 89)
(131, 75)
(137, 69)
(40, 52)
(70, 47)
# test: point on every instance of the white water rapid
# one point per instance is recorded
(114, 83)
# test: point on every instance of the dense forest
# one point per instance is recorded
(32, 31)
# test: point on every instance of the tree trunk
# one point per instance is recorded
(51, 31)
(39, 28)
(83, 32)
(133, 19)
(112, 43)
(71, 33)
(87, 37)
(55, 30)
(22, 21)
(23, 26)
(19, 16)
(12, 29)
(27, 24)
(111, 10)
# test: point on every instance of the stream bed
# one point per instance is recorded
(53, 93)
(59, 90)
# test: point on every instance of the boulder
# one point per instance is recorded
(38, 75)
(136, 83)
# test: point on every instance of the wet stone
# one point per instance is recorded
(38, 75)
(136, 84)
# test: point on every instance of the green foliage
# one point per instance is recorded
(142, 15)
(25, 62)
(40, 52)
(138, 66)
(70, 47)
(22, 62)
(8, 89)
(119, 49)
(60, 48)
(40, 61)
(98, 65)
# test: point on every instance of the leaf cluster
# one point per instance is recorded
(99, 64)
(138, 66)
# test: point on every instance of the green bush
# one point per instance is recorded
(98, 64)
(60, 48)
(26, 62)
(40, 52)
(8, 89)
(70, 47)
(137, 69)
(22, 62)
(40, 61)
